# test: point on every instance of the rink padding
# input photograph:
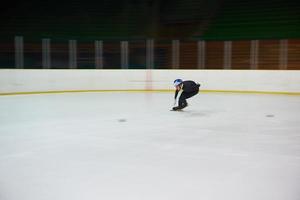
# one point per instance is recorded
(23, 81)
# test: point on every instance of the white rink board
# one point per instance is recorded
(15, 80)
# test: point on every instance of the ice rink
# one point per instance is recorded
(130, 146)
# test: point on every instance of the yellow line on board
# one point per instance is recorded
(148, 91)
(251, 92)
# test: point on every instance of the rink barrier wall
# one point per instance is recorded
(25, 81)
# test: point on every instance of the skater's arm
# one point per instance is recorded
(176, 93)
(175, 100)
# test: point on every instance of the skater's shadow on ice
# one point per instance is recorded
(198, 113)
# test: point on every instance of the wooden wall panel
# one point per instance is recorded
(214, 55)
(240, 55)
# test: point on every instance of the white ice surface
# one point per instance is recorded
(129, 146)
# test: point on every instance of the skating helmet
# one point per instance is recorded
(177, 82)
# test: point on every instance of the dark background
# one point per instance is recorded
(159, 19)
(275, 23)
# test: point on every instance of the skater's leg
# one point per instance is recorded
(190, 94)
(182, 102)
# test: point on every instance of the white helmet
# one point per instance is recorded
(177, 82)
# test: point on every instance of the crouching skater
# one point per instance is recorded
(184, 90)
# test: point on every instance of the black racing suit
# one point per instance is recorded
(190, 88)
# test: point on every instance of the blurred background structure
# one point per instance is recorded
(151, 34)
